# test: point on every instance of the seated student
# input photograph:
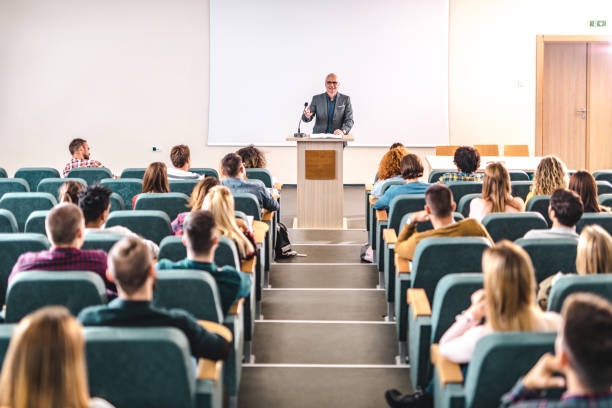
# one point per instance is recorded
(65, 228)
(252, 157)
(201, 240)
(155, 180)
(180, 156)
(467, 160)
(131, 267)
(583, 184)
(593, 255)
(45, 363)
(220, 202)
(564, 210)
(79, 149)
(439, 207)
(389, 169)
(235, 179)
(69, 192)
(582, 363)
(496, 194)
(195, 202)
(95, 204)
(412, 170)
(550, 175)
(507, 303)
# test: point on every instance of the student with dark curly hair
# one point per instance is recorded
(467, 160)
(252, 157)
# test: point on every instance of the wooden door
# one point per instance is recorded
(564, 103)
(599, 145)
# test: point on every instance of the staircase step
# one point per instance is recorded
(323, 276)
(339, 253)
(327, 236)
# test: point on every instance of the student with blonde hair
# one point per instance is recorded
(195, 202)
(44, 366)
(496, 194)
(550, 175)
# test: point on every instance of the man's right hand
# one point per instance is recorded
(419, 216)
(307, 112)
(542, 375)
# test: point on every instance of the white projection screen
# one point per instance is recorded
(268, 57)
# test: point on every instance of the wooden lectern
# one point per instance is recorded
(320, 191)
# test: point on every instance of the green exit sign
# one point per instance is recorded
(597, 23)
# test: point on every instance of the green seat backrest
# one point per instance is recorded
(600, 284)
(260, 174)
(183, 186)
(32, 290)
(205, 171)
(191, 290)
(36, 222)
(8, 223)
(172, 248)
(550, 255)
(425, 226)
(603, 187)
(461, 188)
(140, 367)
(6, 332)
(23, 204)
(604, 175)
(520, 188)
(127, 188)
(170, 203)
(388, 183)
(33, 175)
(12, 185)
(11, 246)
(434, 175)
(540, 203)
(248, 204)
(401, 205)
(133, 172)
(3, 173)
(602, 219)
(151, 224)
(463, 205)
(499, 360)
(99, 240)
(52, 185)
(226, 253)
(116, 202)
(604, 199)
(436, 257)
(518, 175)
(91, 175)
(512, 226)
(241, 215)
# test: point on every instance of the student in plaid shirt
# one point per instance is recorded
(79, 149)
(467, 160)
(582, 363)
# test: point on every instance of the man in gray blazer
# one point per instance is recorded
(333, 110)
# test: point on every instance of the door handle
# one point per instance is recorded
(583, 110)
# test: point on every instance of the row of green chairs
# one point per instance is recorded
(515, 175)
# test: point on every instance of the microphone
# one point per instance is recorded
(299, 132)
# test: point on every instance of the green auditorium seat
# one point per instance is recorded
(8, 223)
(172, 248)
(205, 171)
(133, 172)
(116, 202)
(434, 175)
(518, 175)
(600, 284)
(373, 219)
(146, 367)
(6, 332)
(170, 203)
(433, 259)
(36, 222)
(260, 174)
(23, 204)
(248, 204)
(11, 246)
(427, 323)
(33, 175)
(603, 187)
(540, 204)
(103, 241)
(151, 224)
(3, 173)
(91, 175)
(550, 255)
(499, 360)
(183, 186)
(12, 185)
(604, 199)
(602, 219)
(463, 206)
(605, 175)
(127, 188)
(32, 290)
(52, 185)
(520, 188)
(461, 188)
(512, 226)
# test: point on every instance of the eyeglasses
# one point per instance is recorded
(331, 82)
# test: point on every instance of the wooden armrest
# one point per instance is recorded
(389, 236)
(369, 187)
(259, 231)
(216, 328)
(267, 215)
(372, 200)
(209, 369)
(417, 299)
(278, 186)
(402, 265)
(448, 371)
(237, 307)
(381, 215)
(248, 265)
